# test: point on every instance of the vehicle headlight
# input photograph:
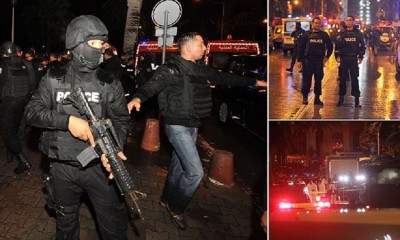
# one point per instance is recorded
(344, 178)
(361, 178)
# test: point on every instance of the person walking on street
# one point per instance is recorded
(349, 52)
(184, 98)
(296, 35)
(17, 81)
(315, 48)
(67, 133)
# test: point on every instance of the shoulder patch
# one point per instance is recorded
(105, 77)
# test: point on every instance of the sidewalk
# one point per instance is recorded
(214, 213)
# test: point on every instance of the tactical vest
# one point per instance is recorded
(315, 46)
(195, 99)
(62, 145)
(17, 82)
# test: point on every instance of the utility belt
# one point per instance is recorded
(352, 56)
(76, 164)
(311, 57)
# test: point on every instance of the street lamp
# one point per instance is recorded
(13, 4)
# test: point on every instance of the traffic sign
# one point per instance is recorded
(166, 12)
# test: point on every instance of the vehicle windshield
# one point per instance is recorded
(251, 66)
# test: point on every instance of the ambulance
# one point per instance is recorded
(219, 51)
(151, 48)
(289, 25)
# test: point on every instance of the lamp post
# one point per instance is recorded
(322, 8)
(222, 20)
(13, 4)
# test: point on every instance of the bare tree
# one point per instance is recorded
(132, 24)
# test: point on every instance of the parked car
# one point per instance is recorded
(244, 105)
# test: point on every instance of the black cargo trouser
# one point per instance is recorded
(349, 64)
(11, 113)
(294, 56)
(69, 184)
(312, 66)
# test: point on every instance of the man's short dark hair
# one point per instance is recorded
(315, 18)
(186, 37)
(352, 17)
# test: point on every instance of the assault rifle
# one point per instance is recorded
(106, 143)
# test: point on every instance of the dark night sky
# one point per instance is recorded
(203, 17)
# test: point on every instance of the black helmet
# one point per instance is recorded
(8, 48)
(84, 28)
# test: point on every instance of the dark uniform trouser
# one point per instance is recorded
(294, 55)
(312, 66)
(69, 184)
(349, 64)
(11, 113)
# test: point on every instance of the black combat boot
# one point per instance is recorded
(23, 164)
(357, 102)
(305, 99)
(340, 102)
(10, 156)
(317, 101)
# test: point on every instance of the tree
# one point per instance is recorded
(284, 139)
(45, 22)
(132, 25)
(278, 8)
(113, 13)
(391, 8)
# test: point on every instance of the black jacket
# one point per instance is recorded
(184, 92)
(45, 109)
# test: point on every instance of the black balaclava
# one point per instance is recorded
(82, 29)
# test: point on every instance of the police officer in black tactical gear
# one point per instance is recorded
(349, 52)
(17, 81)
(296, 35)
(67, 133)
(315, 48)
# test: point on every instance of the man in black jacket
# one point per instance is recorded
(349, 52)
(315, 48)
(67, 133)
(184, 97)
(296, 35)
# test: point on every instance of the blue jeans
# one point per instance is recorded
(185, 171)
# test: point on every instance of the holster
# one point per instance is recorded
(47, 180)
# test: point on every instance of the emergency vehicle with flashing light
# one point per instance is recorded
(218, 52)
(289, 25)
(152, 48)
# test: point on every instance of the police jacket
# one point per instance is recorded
(350, 44)
(46, 109)
(184, 91)
(315, 45)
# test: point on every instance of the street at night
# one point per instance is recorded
(378, 85)
(215, 213)
(378, 224)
